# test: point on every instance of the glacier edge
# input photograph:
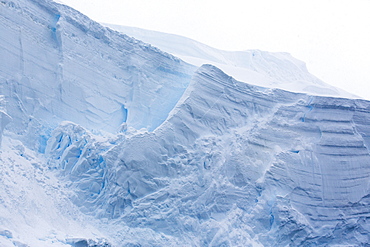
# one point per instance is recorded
(110, 141)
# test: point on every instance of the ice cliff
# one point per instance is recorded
(108, 141)
(60, 65)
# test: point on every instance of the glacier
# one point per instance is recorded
(110, 141)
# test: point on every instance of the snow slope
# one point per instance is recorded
(108, 141)
(268, 69)
(234, 164)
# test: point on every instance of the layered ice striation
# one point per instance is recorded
(60, 65)
(108, 141)
(233, 164)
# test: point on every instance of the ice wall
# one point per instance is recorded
(60, 65)
(234, 164)
(219, 163)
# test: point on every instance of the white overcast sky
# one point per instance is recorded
(331, 36)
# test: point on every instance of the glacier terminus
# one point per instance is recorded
(116, 136)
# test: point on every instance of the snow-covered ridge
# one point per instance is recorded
(268, 69)
(230, 153)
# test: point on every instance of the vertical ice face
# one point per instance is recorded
(60, 65)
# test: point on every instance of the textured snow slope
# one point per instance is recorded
(108, 141)
(34, 209)
(268, 69)
(234, 164)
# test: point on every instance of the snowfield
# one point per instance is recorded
(267, 69)
(109, 141)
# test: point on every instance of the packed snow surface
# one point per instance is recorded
(109, 141)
